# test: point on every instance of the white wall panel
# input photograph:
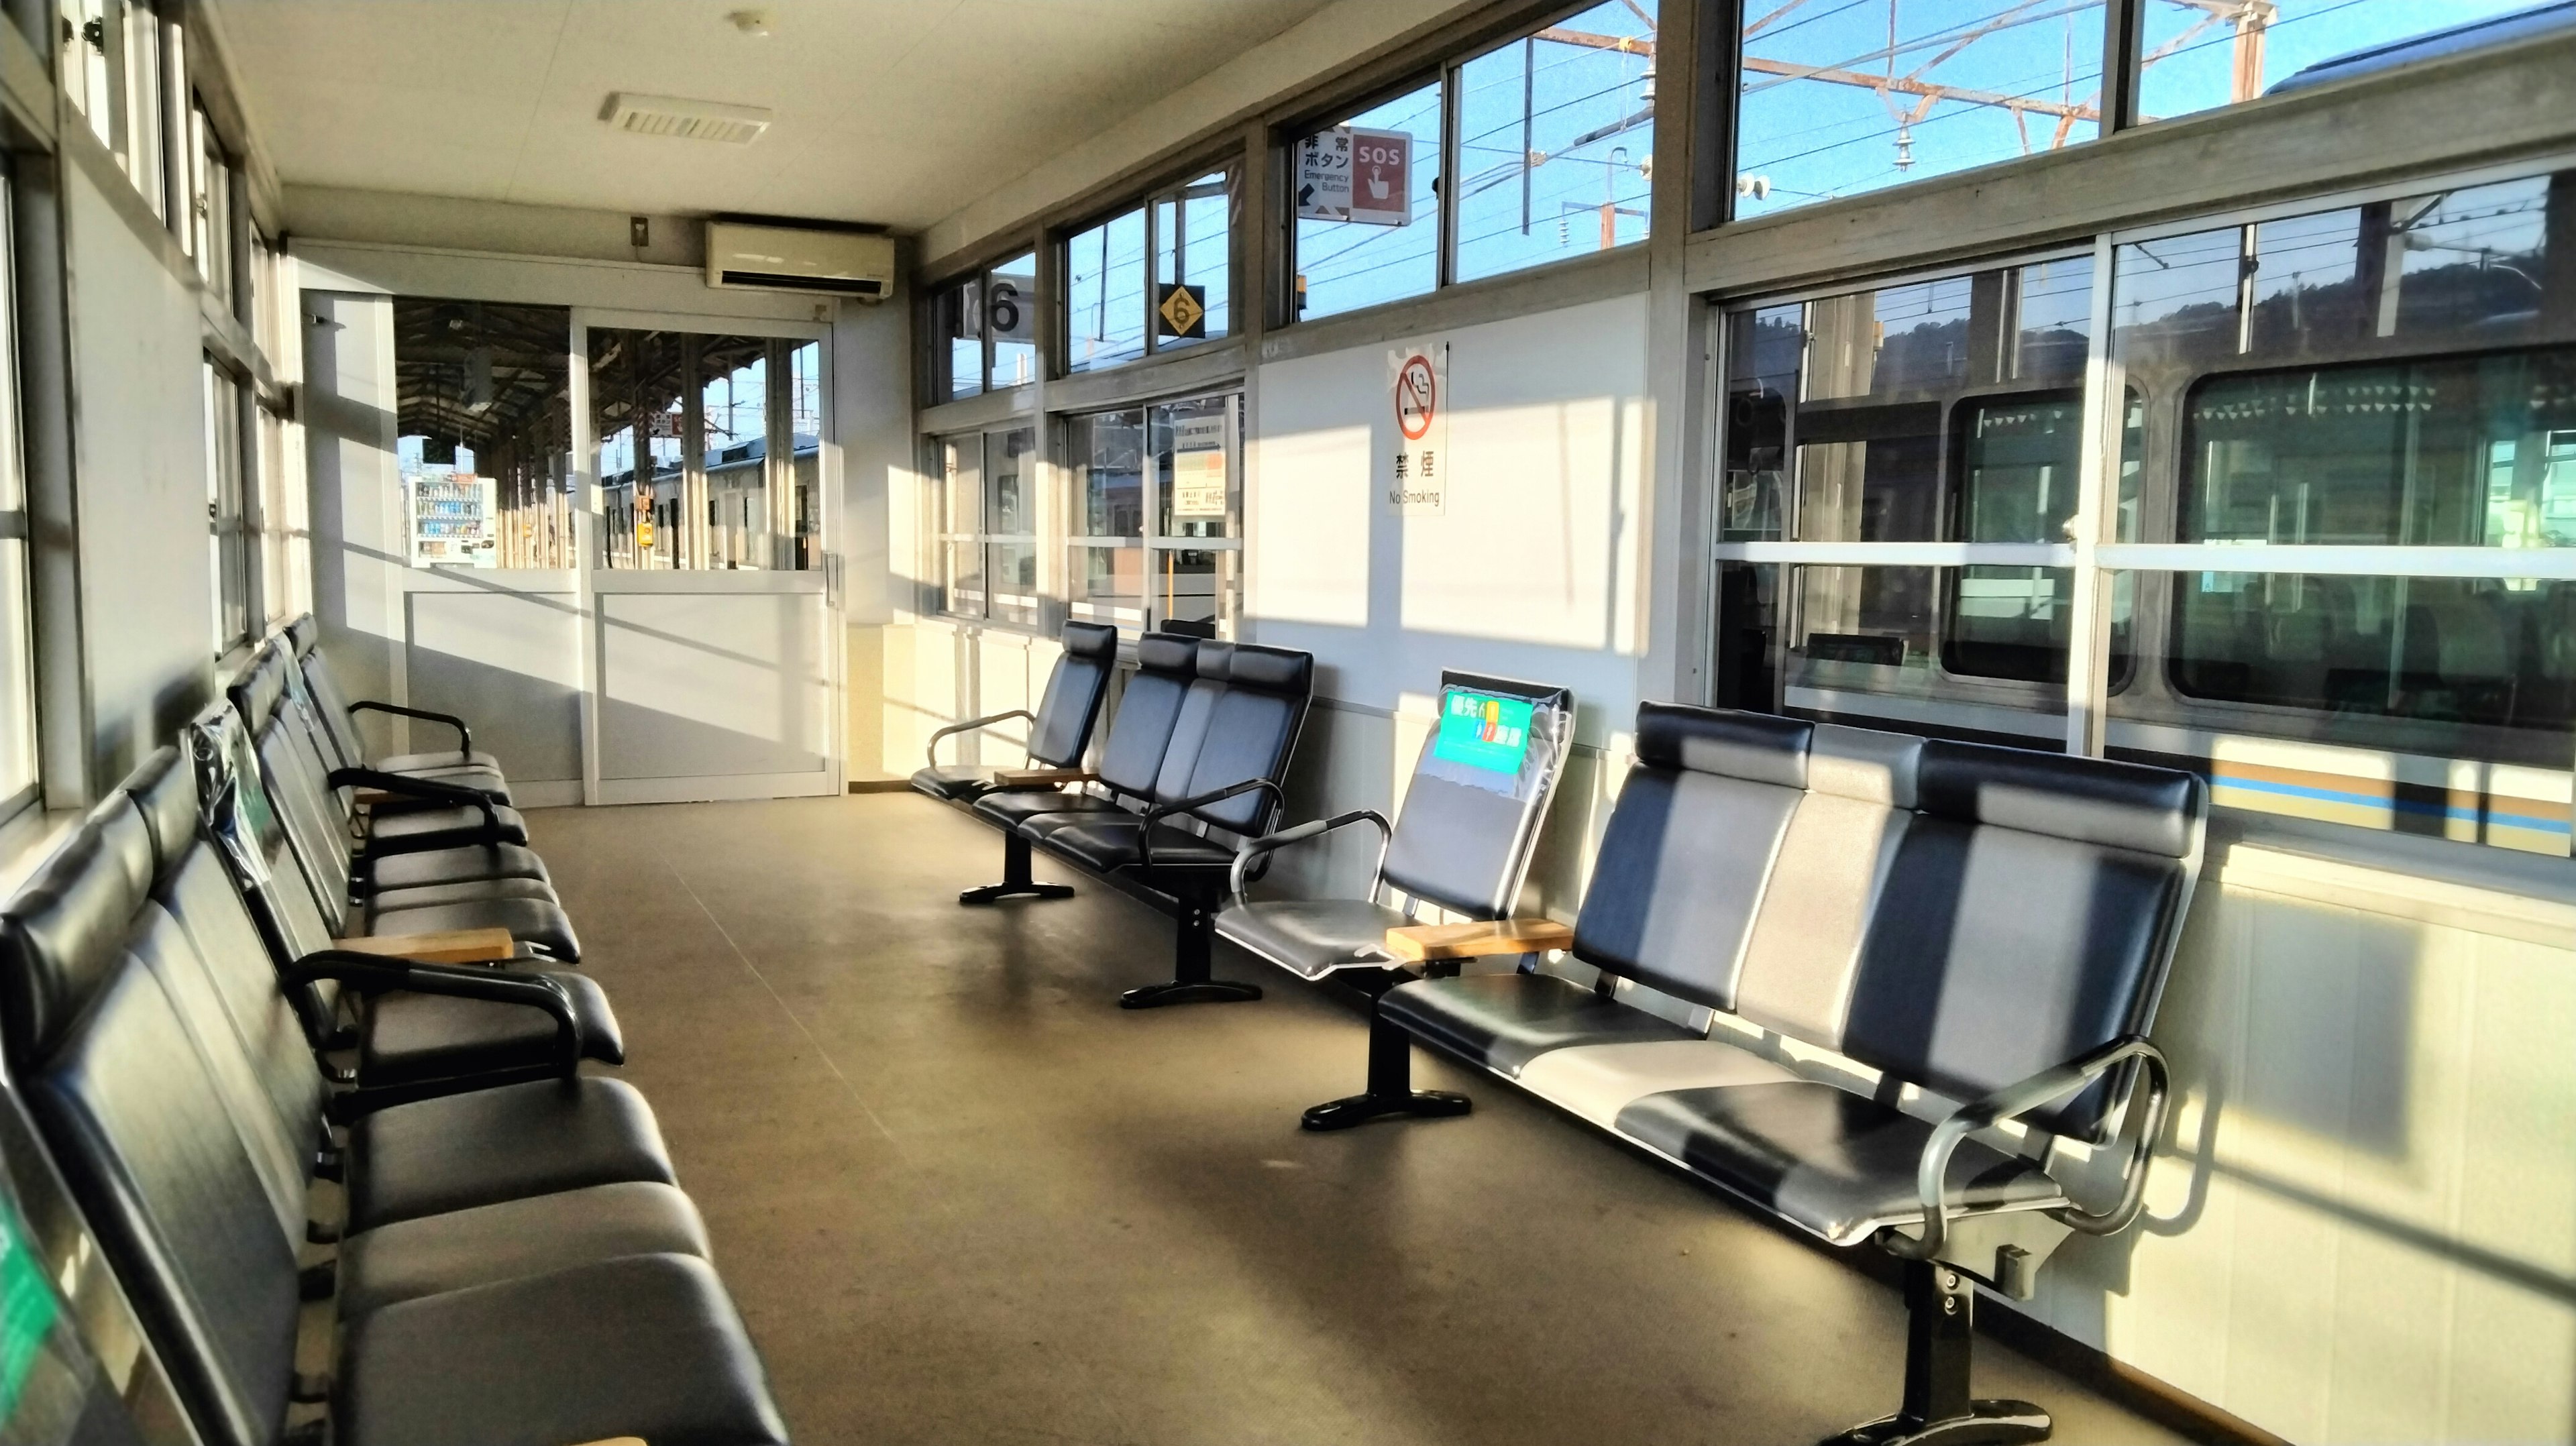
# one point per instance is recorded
(698, 685)
(509, 663)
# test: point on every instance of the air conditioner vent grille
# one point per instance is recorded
(695, 120)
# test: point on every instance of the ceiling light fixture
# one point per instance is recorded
(696, 120)
(751, 22)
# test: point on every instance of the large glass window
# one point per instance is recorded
(485, 421)
(986, 330)
(2203, 53)
(227, 532)
(708, 450)
(1157, 515)
(1104, 293)
(1556, 141)
(1367, 205)
(18, 756)
(211, 208)
(1842, 99)
(983, 507)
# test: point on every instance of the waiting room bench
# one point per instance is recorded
(1203, 735)
(1972, 923)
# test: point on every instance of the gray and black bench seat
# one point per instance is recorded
(1059, 731)
(517, 1266)
(1191, 768)
(338, 717)
(1462, 841)
(1970, 923)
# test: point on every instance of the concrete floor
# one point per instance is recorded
(962, 1197)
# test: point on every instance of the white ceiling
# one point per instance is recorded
(892, 111)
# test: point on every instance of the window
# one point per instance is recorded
(1112, 314)
(1368, 206)
(2197, 55)
(1556, 142)
(18, 755)
(1840, 100)
(726, 473)
(984, 513)
(2337, 566)
(86, 40)
(210, 226)
(228, 537)
(1157, 515)
(986, 331)
(141, 149)
(285, 526)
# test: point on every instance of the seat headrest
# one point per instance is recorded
(257, 691)
(1756, 747)
(61, 935)
(1097, 641)
(124, 839)
(1276, 670)
(1215, 661)
(1166, 653)
(303, 633)
(166, 792)
(1864, 763)
(2089, 800)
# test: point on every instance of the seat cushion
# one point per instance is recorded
(1013, 806)
(1311, 938)
(448, 758)
(1597, 1081)
(513, 1240)
(1503, 1021)
(541, 922)
(463, 891)
(648, 1346)
(486, 1146)
(952, 781)
(444, 827)
(482, 780)
(1830, 1161)
(412, 1037)
(1102, 843)
(453, 865)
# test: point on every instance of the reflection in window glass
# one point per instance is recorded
(1106, 454)
(1556, 131)
(1368, 206)
(1843, 99)
(2198, 54)
(961, 342)
(1011, 524)
(957, 504)
(1104, 287)
(1194, 249)
(724, 476)
(1011, 316)
(2447, 451)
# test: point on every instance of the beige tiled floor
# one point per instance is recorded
(962, 1197)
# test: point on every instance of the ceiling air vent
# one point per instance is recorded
(690, 120)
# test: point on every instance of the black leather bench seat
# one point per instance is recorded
(454, 823)
(460, 1151)
(431, 867)
(415, 1037)
(647, 1346)
(443, 759)
(1313, 937)
(514, 1239)
(1503, 1021)
(1104, 843)
(953, 781)
(1017, 806)
(538, 921)
(1825, 1159)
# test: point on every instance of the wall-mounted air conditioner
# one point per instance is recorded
(787, 258)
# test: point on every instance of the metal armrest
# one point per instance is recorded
(971, 724)
(464, 735)
(406, 786)
(1161, 811)
(373, 973)
(1931, 1175)
(1271, 843)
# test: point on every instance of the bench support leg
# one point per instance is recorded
(1193, 948)
(1940, 1328)
(1015, 878)
(1390, 1087)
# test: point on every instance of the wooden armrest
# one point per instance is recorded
(448, 946)
(617, 1441)
(1471, 941)
(368, 797)
(1039, 777)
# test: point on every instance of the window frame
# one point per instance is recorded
(1151, 538)
(1147, 204)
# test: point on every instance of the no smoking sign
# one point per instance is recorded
(1418, 383)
